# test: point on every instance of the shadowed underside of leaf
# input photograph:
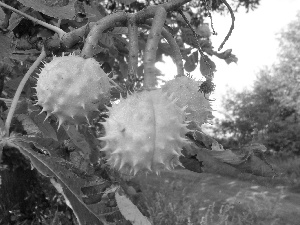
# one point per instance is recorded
(6, 50)
(216, 159)
(70, 183)
(59, 12)
(126, 2)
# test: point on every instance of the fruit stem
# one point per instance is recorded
(176, 51)
(56, 29)
(176, 56)
(19, 90)
(150, 76)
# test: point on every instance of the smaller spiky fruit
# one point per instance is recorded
(146, 131)
(71, 87)
(186, 90)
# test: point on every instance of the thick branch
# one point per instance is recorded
(98, 29)
(149, 12)
(151, 47)
(75, 36)
(133, 45)
(120, 17)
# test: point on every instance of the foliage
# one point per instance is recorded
(126, 41)
(272, 107)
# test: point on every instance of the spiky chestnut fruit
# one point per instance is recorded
(71, 87)
(146, 131)
(186, 90)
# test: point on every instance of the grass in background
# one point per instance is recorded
(187, 198)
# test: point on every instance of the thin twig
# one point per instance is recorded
(231, 27)
(19, 90)
(56, 29)
(208, 8)
(98, 29)
(196, 39)
(194, 32)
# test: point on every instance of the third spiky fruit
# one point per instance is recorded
(187, 92)
(71, 87)
(146, 131)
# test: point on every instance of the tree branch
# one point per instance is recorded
(133, 45)
(121, 17)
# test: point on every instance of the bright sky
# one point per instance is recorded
(253, 41)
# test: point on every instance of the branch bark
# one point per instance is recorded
(133, 45)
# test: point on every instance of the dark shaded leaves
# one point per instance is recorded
(5, 47)
(56, 11)
(66, 180)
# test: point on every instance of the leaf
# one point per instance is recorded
(1, 151)
(120, 30)
(35, 125)
(78, 139)
(16, 18)
(14, 83)
(126, 2)
(5, 46)
(203, 30)
(59, 12)
(191, 62)
(215, 158)
(207, 66)
(227, 156)
(2, 15)
(2, 129)
(43, 125)
(106, 39)
(29, 126)
(180, 18)
(227, 56)
(66, 181)
(93, 11)
(130, 211)
(188, 37)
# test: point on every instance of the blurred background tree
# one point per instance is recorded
(272, 107)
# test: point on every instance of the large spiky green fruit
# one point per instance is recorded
(146, 131)
(71, 87)
(186, 90)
